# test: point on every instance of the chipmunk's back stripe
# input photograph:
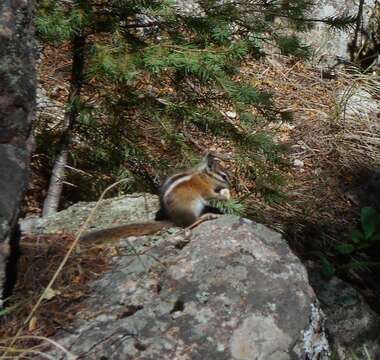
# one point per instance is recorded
(174, 182)
(169, 181)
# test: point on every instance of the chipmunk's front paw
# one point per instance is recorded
(225, 193)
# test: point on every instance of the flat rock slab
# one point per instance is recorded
(119, 210)
(228, 289)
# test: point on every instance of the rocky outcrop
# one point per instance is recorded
(228, 289)
(329, 44)
(17, 102)
(353, 327)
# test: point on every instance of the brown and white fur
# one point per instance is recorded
(183, 199)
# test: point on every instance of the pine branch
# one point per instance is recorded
(345, 22)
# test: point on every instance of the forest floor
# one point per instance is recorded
(334, 157)
(326, 161)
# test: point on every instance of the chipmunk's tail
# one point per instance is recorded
(118, 232)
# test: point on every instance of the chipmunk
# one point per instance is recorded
(183, 199)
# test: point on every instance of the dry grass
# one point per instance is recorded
(333, 146)
(358, 141)
(81, 272)
(40, 257)
(335, 135)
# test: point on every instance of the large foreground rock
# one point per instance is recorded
(229, 289)
(17, 103)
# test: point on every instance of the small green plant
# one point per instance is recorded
(231, 207)
(7, 310)
(365, 237)
(328, 269)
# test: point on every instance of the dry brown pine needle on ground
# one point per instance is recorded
(40, 258)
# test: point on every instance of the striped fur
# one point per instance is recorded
(185, 195)
(183, 199)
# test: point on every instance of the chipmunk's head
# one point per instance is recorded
(213, 167)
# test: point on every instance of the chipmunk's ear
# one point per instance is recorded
(211, 161)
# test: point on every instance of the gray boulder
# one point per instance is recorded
(228, 289)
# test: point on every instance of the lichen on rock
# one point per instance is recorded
(228, 289)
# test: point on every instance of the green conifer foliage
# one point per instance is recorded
(156, 74)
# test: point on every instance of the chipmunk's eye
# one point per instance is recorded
(224, 176)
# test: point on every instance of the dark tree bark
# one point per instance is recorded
(353, 46)
(53, 196)
(17, 106)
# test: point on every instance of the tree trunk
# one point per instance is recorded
(353, 47)
(53, 196)
(17, 106)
